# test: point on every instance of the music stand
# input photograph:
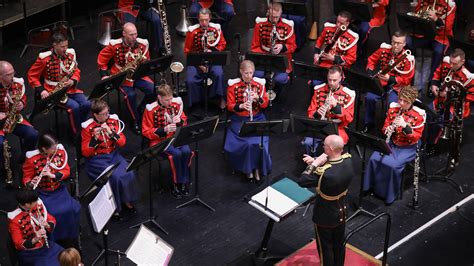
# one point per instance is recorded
(105, 86)
(466, 46)
(308, 127)
(207, 59)
(377, 145)
(152, 67)
(45, 105)
(100, 181)
(362, 83)
(417, 26)
(310, 71)
(194, 133)
(360, 11)
(143, 157)
(293, 7)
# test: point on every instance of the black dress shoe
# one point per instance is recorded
(176, 193)
(183, 190)
(117, 216)
(367, 128)
(130, 210)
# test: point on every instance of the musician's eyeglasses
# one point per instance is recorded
(103, 114)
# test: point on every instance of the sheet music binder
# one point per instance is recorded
(284, 197)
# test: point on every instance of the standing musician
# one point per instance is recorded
(274, 35)
(403, 127)
(443, 16)
(332, 102)
(343, 49)
(246, 98)
(394, 67)
(452, 68)
(12, 90)
(127, 53)
(101, 136)
(44, 170)
(377, 20)
(223, 8)
(203, 38)
(58, 67)
(331, 173)
(160, 121)
(134, 8)
(30, 226)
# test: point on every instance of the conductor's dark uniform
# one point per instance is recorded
(329, 214)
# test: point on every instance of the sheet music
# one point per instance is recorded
(102, 208)
(277, 202)
(148, 248)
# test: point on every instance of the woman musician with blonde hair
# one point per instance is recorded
(403, 128)
(44, 170)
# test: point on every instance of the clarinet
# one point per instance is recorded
(326, 105)
(249, 100)
(389, 135)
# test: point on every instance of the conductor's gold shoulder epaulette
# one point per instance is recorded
(346, 155)
(321, 169)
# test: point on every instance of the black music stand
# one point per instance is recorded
(367, 141)
(417, 26)
(207, 59)
(194, 133)
(360, 11)
(308, 127)
(100, 181)
(105, 86)
(153, 66)
(466, 46)
(147, 156)
(269, 64)
(293, 7)
(362, 83)
(45, 105)
(310, 71)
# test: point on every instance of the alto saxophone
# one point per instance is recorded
(11, 120)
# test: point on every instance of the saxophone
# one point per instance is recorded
(11, 120)
(424, 13)
(62, 83)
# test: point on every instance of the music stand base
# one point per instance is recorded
(447, 179)
(414, 206)
(152, 221)
(360, 210)
(102, 253)
(198, 200)
(261, 258)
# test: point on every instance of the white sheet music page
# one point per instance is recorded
(102, 208)
(277, 202)
(149, 249)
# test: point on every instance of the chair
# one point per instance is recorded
(110, 26)
(12, 252)
(41, 36)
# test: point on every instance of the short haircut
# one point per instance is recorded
(275, 6)
(335, 69)
(345, 14)
(410, 93)
(164, 90)
(247, 63)
(59, 37)
(335, 142)
(69, 257)
(400, 33)
(458, 52)
(98, 106)
(25, 196)
(205, 11)
(46, 141)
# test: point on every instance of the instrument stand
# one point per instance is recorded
(147, 156)
(377, 145)
(194, 133)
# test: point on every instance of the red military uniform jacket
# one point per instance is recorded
(127, 7)
(121, 54)
(209, 3)
(104, 144)
(378, 15)
(194, 38)
(415, 119)
(156, 117)
(462, 75)
(446, 11)
(345, 48)
(36, 161)
(262, 34)
(16, 89)
(52, 69)
(237, 94)
(343, 111)
(22, 228)
(401, 75)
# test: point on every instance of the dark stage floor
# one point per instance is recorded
(201, 237)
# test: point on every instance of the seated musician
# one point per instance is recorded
(274, 35)
(30, 227)
(12, 102)
(443, 16)
(394, 67)
(160, 121)
(58, 68)
(203, 38)
(128, 52)
(134, 8)
(44, 170)
(246, 98)
(403, 127)
(299, 20)
(223, 8)
(379, 8)
(452, 68)
(102, 136)
(331, 102)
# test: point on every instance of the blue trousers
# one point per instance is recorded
(40, 257)
(310, 145)
(222, 9)
(280, 79)
(371, 101)
(155, 20)
(78, 108)
(438, 52)
(195, 79)
(180, 160)
(29, 135)
(300, 29)
(130, 96)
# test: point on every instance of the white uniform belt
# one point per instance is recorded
(50, 82)
(266, 48)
